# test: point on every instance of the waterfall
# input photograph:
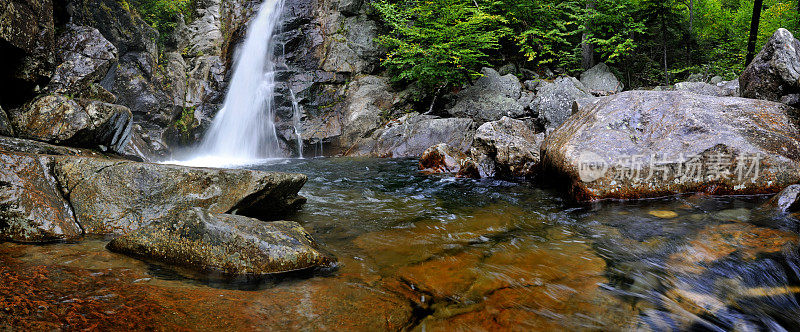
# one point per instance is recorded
(296, 124)
(243, 131)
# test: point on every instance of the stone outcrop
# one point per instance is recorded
(61, 120)
(32, 207)
(116, 196)
(84, 57)
(506, 148)
(27, 43)
(703, 89)
(601, 81)
(553, 102)
(222, 243)
(775, 71)
(645, 144)
(490, 98)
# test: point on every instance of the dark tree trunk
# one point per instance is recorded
(751, 42)
(587, 49)
(664, 44)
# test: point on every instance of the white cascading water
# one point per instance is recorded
(243, 131)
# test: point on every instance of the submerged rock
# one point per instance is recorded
(775, 71)
(642, 144)
(32, 207)
(490, 98)
(787, 201)
(227, 244)
(506, 148)
(117, 197)
(601, 81)
(61, 120)
(441, 158)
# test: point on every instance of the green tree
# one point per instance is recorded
(435, 43)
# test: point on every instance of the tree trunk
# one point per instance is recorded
(691, 16)
(751, 42)
(664, 44)
(587, 49)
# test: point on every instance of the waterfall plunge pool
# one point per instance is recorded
(436, 253)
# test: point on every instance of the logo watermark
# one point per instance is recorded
(681, 168)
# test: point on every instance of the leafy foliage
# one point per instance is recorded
(163, 15)
(438, 42)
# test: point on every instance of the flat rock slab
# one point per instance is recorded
(228, 244)
(642, 144)
(116, 197)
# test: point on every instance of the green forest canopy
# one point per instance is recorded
(436, 43)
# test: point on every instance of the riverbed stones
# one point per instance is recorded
(642, 144)
(222, 243)
(786, 201)
(117, 197)
(441, 158)
(506, 148)
(775, 71)
(32, 207)
(59, 119)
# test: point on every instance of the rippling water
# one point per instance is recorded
(437, 253)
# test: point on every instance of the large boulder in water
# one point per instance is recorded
(642, 144)
(117, 196)
(61, 120)
(601, 81)
(775, 71)
(32, 207)
(222, 243)
(553, 101)
(489, 99)
(506, 148)
(412, 134)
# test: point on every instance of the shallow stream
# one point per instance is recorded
(426, 252)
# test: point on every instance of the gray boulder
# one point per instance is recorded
(84, 57)
(506, 148)
(412, 134)
(58, 119)
(716, 80)
(702, 89)
(32, 207)
(775, 71)
(642, 144)
(601, 81)
(222, 243)
(553, 101)
(117, 197)
(489, 99)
